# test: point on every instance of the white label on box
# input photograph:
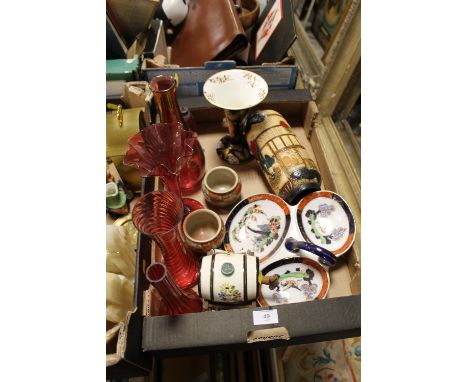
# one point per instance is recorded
(268, 26)
(264, 317)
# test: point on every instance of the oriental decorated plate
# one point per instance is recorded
(299, 279)
(257, 225)
(325, 219)
(235, 89)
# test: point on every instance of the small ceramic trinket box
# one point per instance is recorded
(228, 278)
(203, 230)
(221, 186)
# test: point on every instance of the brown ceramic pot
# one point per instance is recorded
(203, 230)
(249, 14)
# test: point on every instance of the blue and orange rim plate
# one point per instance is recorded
(297, 260)
(251, 199)
(334, 196)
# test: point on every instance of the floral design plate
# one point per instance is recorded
(325, 219)
(300, 280)
(257, 225)
(235, 89)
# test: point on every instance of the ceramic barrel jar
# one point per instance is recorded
(285, 163)
(228, 278)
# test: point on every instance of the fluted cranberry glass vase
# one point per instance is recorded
(164, 92)
(162, 150)
(173, 300)
(158, 215)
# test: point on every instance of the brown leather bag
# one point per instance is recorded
(212, 30)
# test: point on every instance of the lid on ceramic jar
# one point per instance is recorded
(257, 225)
(325, 219)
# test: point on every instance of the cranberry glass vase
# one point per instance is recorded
(162, 150)
(158, 215)
(164, 92)
(173, 300)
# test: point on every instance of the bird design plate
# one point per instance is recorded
(299, 279)
(325, 219)
(257, 225)
(235, 89)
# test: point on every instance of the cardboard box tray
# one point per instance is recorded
(338, 316)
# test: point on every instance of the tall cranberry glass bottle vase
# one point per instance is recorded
(164, 92)
(173, 299)
(158, 215)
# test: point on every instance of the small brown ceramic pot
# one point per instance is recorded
(221, 186)
(250, 11)
(203, 230)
